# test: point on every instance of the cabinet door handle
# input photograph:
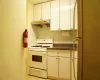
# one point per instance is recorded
(57, 58)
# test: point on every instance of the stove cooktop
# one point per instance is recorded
(40, 46)
(37, 46)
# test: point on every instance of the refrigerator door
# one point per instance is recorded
(77, 43)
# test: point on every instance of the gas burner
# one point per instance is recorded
(37, 46)
(43, 43)
(40, 46)
(46, 46)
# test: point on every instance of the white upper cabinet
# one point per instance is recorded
(42, 11)
(62, 12)
(46, 10)
(54, 15)
(37, 12)
(65, 14)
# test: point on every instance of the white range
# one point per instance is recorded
(37, 58)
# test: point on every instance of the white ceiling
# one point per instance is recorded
(38, 1)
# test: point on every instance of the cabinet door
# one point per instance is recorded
(64, 68)
(64, 53)
(46, 11)
(52, 67)
(54, 15)
(65, 14)
(37, 12)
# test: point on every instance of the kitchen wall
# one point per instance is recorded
(57, 36)
(45, 32)
(31, 32)
(0, 40)
(12, 25)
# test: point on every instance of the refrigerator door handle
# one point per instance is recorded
(73, 55)
(76, 39)
(79, 37)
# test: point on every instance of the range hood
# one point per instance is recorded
(41, 22)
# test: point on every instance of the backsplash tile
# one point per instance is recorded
(57, 36)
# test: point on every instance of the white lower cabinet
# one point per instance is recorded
(59, 68)
(64, 68)
(52, 67)
(74, 69)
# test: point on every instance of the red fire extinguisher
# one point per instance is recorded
(25, 38)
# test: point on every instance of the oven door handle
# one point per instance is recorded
(40, 54)
(36, 69)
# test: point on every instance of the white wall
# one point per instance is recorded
(57, 36)
(0, 43)
(32, 36)
(12, 25)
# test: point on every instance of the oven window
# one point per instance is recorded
(36, 58)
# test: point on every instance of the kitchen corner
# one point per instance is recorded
(51, 49)
(45, 53)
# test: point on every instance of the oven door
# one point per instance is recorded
(37, 59)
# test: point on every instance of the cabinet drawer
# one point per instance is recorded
(60, 53)
(37, 72)
(64, 53)
(53, 53)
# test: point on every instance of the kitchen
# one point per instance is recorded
(52, 43)
(17, 15)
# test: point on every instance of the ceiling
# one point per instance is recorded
(38, 1)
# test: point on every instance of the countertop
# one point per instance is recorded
(64, 46)
(61, 48)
